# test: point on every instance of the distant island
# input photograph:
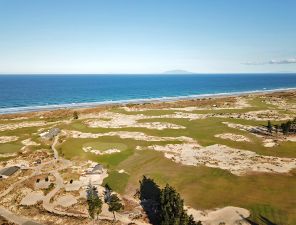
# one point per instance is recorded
(178, 72)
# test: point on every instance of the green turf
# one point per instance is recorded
(117, 181)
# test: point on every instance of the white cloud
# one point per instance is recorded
(282, 61)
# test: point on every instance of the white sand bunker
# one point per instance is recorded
(183, 115)
(28, 142)
(233, 137)
(117, 120)
(32, 198)
(66, 200)
(127, 135)
(99, 152)
(238, 162)
(6, 139)
(228, 215)
(291, 138)
(14, 126)
(269, 143)
(252, 129)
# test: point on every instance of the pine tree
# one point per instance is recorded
(269, 126)
(75, 115)
(172, 210)
(276, 128)
(114, 204)
(94, 202)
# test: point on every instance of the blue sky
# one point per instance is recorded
(147, 36)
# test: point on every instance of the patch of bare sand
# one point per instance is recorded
(126, 135)
(13, 126)
(118, 120)
(99, 152)
(291, 138)
(6, 139)
(228, 215)
(32, 198)
(233, 137)
(237, 161)
(261, 132)
(66, 200)
(28, 142)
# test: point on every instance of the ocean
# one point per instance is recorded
(23, 93)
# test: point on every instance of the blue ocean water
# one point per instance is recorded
(36, 92)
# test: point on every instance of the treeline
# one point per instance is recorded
(163, 206)
(286, 128)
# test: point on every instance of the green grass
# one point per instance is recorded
(117, 181)
(10, 147)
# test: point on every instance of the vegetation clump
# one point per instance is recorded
(94, 202)
(163, 206)
(75, 115)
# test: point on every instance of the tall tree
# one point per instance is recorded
(94, 202)
(172, 210)
(269, 126)
(75, 115)
(114, 204)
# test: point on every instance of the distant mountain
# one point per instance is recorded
(178, 72)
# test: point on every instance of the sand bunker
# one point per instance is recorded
(292, 138)
(233, 137)
(28, 142)
(13, 126)
(32, 198)
(127, 135)
(8, 155)
(6, 139)
(66, 200)
(252, 129)
(99, 152)
(117, 120)
(228, 215)
(269, 143)
(238, 162)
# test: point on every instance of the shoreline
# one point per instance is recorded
(90, 105)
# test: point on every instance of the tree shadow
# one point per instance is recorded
(149, 194)
(263, 221)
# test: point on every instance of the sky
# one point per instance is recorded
(147, 36)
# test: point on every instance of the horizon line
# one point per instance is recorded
(160, 73)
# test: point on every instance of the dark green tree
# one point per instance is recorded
(75, 115)
(107, 193)
(269, 126)
(172, 210)
(94, 202)
(276, 128)
(114, 204)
